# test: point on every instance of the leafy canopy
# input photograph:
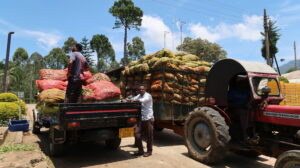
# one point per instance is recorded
(20, 56)
(126, 14)
(68, 45)
(105, 52)
(207, 51)
(136, 49)
(56, 59)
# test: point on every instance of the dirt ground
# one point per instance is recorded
(168, 152)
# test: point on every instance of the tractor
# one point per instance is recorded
(217, 126)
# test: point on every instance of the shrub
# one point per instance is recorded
(8, 97)
(283, 79)
(8, 110)
(47, 109)
(22, 105)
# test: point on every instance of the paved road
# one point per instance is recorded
(168, 152)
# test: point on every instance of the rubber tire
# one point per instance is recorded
(286, 159)
(55, 149)
(35, 127)
(219, 132)
(113, 143)
(157, 129)
(249, 154)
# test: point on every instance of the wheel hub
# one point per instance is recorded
(202, 135)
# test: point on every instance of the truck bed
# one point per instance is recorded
(100, 115)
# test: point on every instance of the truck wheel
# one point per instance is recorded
(113, 143)
(55, 149)
(249, 154)
(206, 135)
(36, 129)
(157, 129)
(289, 159)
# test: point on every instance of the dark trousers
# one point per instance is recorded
(74, 91)
(144, 128)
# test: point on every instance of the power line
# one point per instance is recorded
(213, 10)
(204, 13)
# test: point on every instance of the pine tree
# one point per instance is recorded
(87, 51)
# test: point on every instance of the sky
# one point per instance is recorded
(235, 25)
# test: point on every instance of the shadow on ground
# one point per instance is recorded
(83, 154)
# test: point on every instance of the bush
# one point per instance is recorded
(47, 109)
(8, 97)
(283, 79)
(22, 105)
(8, 110)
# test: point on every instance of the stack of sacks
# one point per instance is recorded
(53, 86)
(100, 88)
(184, 81)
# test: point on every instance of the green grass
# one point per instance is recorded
(16, 147)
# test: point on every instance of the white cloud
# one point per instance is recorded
(45, 40)
(249, 29)
(290, 8)
(153, 29)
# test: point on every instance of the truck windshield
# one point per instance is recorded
(261, 82)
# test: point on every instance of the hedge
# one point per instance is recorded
(22, 105)
(8, 97)
(8, 110)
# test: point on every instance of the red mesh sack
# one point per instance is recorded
(104, 90)
(53, 74)
(87, 94)
(98, 77)
(51, 84)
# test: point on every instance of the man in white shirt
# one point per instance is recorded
(146, 124)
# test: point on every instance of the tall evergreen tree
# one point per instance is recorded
(87, 51)
(274, 36)
(128, 16)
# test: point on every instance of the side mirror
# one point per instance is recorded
(266, 90)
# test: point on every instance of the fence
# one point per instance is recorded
(291, 94)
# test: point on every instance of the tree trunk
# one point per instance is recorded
(125, 59)
(98, 60)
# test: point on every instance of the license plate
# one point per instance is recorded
(126, 132)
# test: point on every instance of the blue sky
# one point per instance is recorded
(234, 24)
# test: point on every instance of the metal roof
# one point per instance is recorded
(258, 67)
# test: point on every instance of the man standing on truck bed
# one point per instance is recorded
(146, 125)
(76, 66)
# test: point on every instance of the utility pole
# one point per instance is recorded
(181, 23)
(267, 38)
(6, 62)
(165, 34)
(295, 53)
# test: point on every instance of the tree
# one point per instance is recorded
(56, 59)
(128, 16)
(68, 45)
(86, 51)
(20, 57)
(136, 49)
(274, 36)
(105, 52)
(291, 70)
(207, 51)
